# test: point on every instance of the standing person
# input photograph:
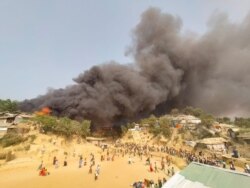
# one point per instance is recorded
(172, 171)
(164, 180)
(156, 168)
(65, 163)
(54, 160)
(224, 164)
(247, 168)
(80, 162)
(96, 175)
(162, 165)
(97, 172)
(56, 163)
(40, 166)
(159, 183)
(232, 167)
(129, 160)
(90, 169)
(151, 168)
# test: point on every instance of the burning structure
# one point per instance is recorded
(171, 69)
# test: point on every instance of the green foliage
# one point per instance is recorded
(10, 139)
(242, 122)
(189, 110)
(124, 130)
(225, 120)
(84, 128)
(174, 112)
(8, 106)
(161, 126)
(150, 121)
(207, 120)
(66, 127)
(48, 123)
(63, 126)
(32, 138)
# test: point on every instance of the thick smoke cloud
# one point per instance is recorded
(171, 69)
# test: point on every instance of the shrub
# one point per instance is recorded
(27, 147)
(11, 139)
(84, 128)
(32, 138)
(2, 156)
(163, 128)
(48, 123)
(63, 126)
(8, 105)
(10, 156)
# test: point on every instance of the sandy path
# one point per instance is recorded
(113, 174)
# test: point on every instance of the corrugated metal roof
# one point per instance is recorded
(198, 175)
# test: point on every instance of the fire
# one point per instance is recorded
(44, 111)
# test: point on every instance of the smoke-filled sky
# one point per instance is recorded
(46, 43)
(170, 69)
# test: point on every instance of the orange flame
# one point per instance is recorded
(44, 111)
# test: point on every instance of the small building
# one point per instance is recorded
(136, 128)
(244, 137)
(96, 141)
(190, 143)
(215, 144)
(197, 175)
(186, 121)
(22, 117)
(225, 129)
(10, 123)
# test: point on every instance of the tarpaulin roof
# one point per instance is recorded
(198, 175)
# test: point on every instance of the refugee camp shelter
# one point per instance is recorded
(187, 121)
(244, 137)
(197, 175)
(94, 140)
(215, 144)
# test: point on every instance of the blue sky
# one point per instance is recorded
(46, 43)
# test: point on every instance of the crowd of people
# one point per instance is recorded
(158, 159)
(44, 172)
(149, 183)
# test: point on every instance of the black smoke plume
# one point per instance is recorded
(171, 69)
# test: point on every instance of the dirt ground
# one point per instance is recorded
(22, 172)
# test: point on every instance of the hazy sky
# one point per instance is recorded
(46, 43)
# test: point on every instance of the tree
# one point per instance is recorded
(48, 123)
(63, 126)
(8, 105)
(189, 110)
(85, 128)
(242, 122)
(207, 120)
(226, 120)
(150, 121)
(174, 112)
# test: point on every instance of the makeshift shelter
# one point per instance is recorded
(95, 140)
(244, 137)
(187, 121)
(217, 144)
(197, 175)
